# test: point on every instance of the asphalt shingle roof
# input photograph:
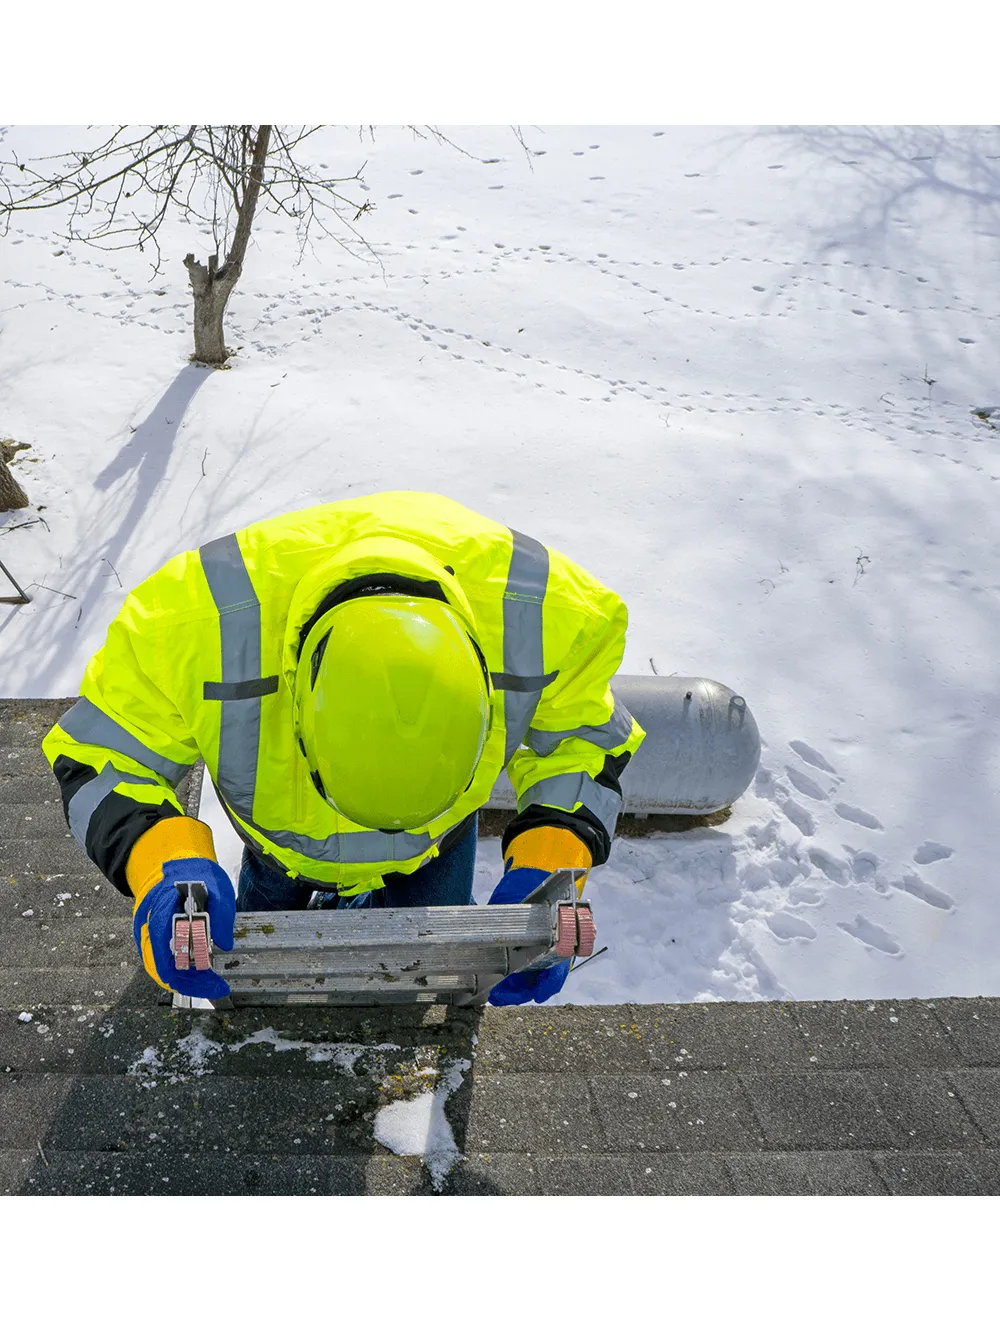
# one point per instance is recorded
(107, 1091)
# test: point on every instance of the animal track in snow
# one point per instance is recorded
(927, 893)
(929, 851)
(419, 326)
(871, 421)
(868, 933)
(857, 816)
(897, 425)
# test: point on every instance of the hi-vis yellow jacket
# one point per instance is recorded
(201, 661)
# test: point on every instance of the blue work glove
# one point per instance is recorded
(153, 925)
(520, 987)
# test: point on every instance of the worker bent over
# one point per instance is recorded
(355, 676)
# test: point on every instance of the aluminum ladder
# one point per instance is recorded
(418, 955)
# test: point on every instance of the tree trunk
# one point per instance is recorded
(211, 289)
(11, 494)
(211, 286)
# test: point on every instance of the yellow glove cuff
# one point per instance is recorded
(167, 841)
(550, 848)
(148, 961)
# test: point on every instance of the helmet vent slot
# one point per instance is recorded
(317, 658)
(482, 661)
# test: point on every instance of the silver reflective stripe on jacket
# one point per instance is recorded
(87, 723)
(523, 678)
(357, 846)
(565, 791)
(239, 624)
(613, 733)
(87, 799)
(239, 737)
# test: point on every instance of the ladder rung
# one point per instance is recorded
(280, 998)
(516, 923)
(355, 984)
(343, 962)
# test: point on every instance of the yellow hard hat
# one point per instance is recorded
(392, 709)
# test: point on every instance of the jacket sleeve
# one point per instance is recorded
(581, 738)
(121, 750)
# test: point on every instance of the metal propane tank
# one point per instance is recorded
(701, 750)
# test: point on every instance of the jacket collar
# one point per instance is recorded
(375, 557)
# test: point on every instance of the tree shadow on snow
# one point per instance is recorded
(882, 173)
(100, 554)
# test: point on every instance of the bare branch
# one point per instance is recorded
(87, 184)
(527, 150)
(119, 193)
(438, 136)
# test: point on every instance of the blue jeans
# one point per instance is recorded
(444, 882)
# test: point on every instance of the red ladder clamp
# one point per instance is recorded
(192, 936)
(577, 933)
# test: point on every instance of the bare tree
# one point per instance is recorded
(11, 494)
(119, 194)
(212, 286)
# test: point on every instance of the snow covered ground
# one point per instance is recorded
(734, 373)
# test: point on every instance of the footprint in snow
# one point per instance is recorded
(929, 851)
(874, 937)
(811, 756)
(800, 818)
(857, 816)
(927, 893)
(767, 787)
(805, 785)
(864, 868)
(804, 895)
(783, 926)
(831, 867)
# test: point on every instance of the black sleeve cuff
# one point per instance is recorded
(115, 825)
(582, 822)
